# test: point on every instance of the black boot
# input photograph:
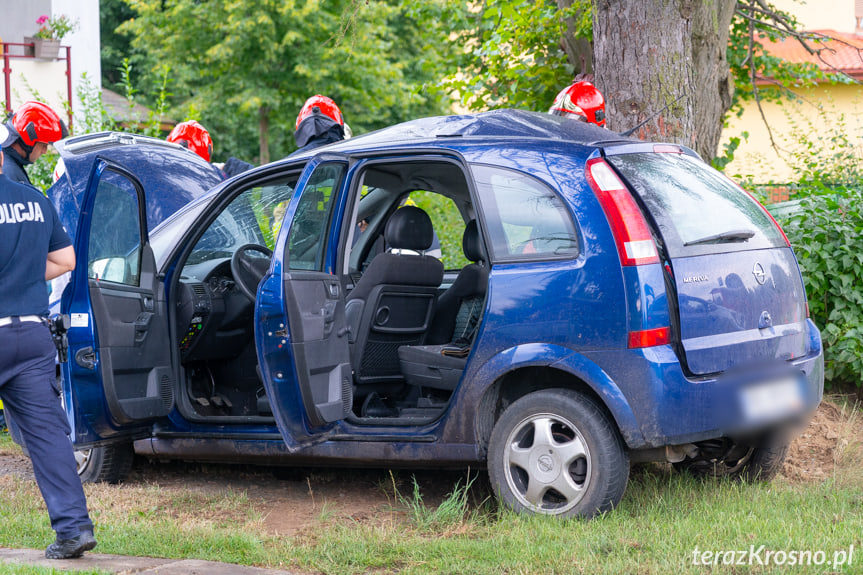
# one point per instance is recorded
(71, 548)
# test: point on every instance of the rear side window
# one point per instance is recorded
(524, 217)
(697, 209)
(448, 227)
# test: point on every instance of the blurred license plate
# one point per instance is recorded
(771, 400)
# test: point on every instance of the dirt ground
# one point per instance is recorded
(291, 500)
(830, 437)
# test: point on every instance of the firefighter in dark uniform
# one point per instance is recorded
(34, 248)
(320, 122)
(195, 137)
(29, 131)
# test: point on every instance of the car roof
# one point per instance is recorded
(495, 125)
(171, 175)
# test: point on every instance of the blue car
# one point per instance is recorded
(598, 301)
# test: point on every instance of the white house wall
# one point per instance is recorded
(48, 78)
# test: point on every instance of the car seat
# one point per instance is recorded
(440, 365)
(393, 303)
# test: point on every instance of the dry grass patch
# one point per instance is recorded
(188, 510)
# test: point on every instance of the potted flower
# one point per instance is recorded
(52, 29)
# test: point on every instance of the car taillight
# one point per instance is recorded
(635, 244)
(649, 337)
(631, 234)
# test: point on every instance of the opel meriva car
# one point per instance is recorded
(598, 300)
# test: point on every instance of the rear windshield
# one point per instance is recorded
(697, 209)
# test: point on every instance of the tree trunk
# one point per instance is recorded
(579, 51)
(263, 134)
(662, 62)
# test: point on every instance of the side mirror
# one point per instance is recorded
(108, 269)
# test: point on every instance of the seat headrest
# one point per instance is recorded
(470, 242)
(409, 228)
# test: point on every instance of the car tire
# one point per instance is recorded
(756, 464)
(109, 464)
(578, 467)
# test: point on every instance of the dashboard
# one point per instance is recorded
(214, 318)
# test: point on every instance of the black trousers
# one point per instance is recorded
(31, 399)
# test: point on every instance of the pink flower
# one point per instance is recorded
(42, 19)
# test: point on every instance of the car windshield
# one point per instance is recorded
(253, 217)
(697, 209)
(166, 235)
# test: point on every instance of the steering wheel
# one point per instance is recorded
(248, 268)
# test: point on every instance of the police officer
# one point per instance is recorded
(33, 126)
(34, 248)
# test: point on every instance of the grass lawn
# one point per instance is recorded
(666, 523)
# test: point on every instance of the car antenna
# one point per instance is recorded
(652, 116)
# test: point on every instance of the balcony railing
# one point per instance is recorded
(19, 51)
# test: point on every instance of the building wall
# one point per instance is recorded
(85, 42)
(821, 14)
(47, 79)
(820, 113)
(19, 18)
(824, 107)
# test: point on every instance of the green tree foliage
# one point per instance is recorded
(512, 54)
(117, 47)
(751, 31)
(247, 67)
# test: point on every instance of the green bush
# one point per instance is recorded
(827, 236)
(826, 232)
(92, 116)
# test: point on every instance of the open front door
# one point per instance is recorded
(300, 314)
(118, 376)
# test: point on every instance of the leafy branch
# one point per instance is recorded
(756, 21)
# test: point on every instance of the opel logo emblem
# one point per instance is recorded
(545, 463)
(759, 274)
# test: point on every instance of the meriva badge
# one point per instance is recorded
(695, 279)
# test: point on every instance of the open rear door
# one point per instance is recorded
(301, 328)
(118, 376)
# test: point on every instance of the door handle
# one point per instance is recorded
(142, 325)
(86, 358)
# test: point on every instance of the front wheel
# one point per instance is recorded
(556, 452)
(109, 464)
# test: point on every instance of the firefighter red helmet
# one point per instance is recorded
(36, 122)
(193, 136)
(582, 100)
(324, 106)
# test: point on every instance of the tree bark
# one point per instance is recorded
(579, 51)
(662, 62)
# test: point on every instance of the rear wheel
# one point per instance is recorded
(740, 462)
(556, 452)
(109, 464)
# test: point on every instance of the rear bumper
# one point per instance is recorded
(672, 409)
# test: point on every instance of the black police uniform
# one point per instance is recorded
(29, 229)
(13, 167)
